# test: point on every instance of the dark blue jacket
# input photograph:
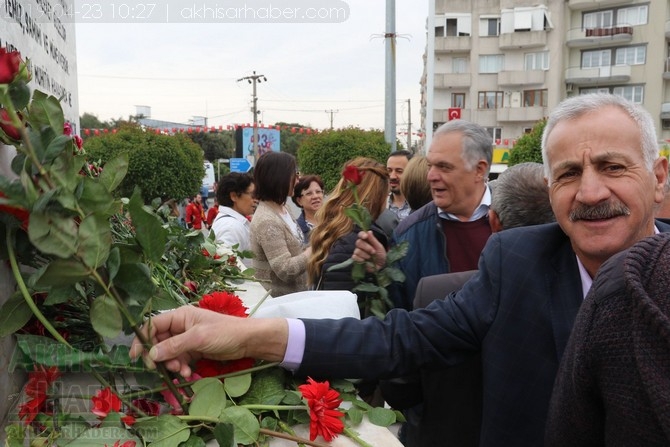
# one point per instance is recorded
(426, 255)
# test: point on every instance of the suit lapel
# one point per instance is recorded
(564, 287)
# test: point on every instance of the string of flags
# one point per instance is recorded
(210, 129)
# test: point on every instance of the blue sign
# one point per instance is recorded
(239, 165)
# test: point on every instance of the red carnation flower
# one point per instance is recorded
(40, 380)
(30, 409)
(352, 174)
(212, 368)
(325, 419)
(125, 444)
(105, 402)
(148, 406)
(10, 63)
(224, 303)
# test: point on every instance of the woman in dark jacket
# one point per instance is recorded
(333, 239)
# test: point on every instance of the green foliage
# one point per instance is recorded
(160, 165)
(529, 146)
(326, 153)
(215, 145)
(290, 141)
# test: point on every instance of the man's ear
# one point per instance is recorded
(494, 221)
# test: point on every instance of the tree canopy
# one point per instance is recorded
(163, 166)
(326, 153)
(529, 146)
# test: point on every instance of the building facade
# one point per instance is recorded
(505, 64)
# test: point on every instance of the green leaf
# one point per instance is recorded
(53, 234)
(95, 240)
(382, 416)
(149, 230)
(95, 198)
(106, 317)
(209, 398)
(135, 281)
(358, 271)
(47, 110)
(395, 274)
(49, 352)
(58, 295)
(193, 441)
(238, 385)
(267, 388)
(341, 265)
(113, 263)
(225, 435)
(397, 252)
(104, 436)
(55, 148)
(366, 287)
(63, 272)
(163, 431)
(355, 415)
(19, 93)
(245, 423)
(14, 314)
(15, 435)
(114, 171)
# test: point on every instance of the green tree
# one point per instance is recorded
(289, 141)
(161, 166)
(529, 146)
(91, 121)
(326, 153)
(215, 145)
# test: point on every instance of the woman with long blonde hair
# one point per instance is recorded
(333, 239)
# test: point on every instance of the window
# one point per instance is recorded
(458, 100)
(490, 100)
(665, 124)
(491, 63)
(599, 19)
(596, 58)
(494, 132)
(523, 20)
(535, 98)
(457, 26)
(633, 93)
(537, 61)
(489, 26)
(459, 65)
(634, 15)
(587, 91)
(631, 55)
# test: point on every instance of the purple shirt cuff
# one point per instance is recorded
(295, 347)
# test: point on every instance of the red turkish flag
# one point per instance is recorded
(454, 113)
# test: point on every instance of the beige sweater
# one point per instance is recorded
(280, 257)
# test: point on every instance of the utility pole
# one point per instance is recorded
(409, 124)
(389, 109)
(253, 80)
(331, 111)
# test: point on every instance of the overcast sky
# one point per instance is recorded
(188, 69)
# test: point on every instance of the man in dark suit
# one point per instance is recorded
(444, 406)
(605, 179)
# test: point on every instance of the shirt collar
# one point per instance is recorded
(587, 281)
(481, 210)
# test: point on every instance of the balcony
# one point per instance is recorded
(453, 44)
(522, 39)
(442, 115)
(515, 78)
(665, 111)
(579, 5)
(453, 80)
(598, 75)
(594, 37)
(511, 4)
(509, 114)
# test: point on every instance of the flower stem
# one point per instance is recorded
(351, 434)
(26, 295)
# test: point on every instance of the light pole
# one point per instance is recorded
(253, 80)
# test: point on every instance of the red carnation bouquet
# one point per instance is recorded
(90, 268)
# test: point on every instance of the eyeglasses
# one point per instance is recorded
(312, 193)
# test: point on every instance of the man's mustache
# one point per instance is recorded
(604, 210)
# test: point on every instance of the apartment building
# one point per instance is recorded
(505, 64)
